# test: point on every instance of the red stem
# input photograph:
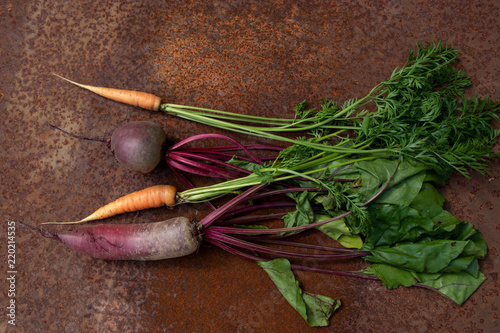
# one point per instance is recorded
(189, 158)
(217, 136)
(210, 234)
(215, 215)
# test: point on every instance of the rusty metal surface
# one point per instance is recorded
(243, 56)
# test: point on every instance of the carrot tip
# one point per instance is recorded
(75, 83)
(70, 222)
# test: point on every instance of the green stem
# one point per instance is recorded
(231, 114)
(239, 128)
(335, 134)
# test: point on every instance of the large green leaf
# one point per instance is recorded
(429, 202)
(407, 179)
(430, 257)
(463, 263)
(392, 277)
(315, 309)
(464, 231)
(395, 223)
(456, 286)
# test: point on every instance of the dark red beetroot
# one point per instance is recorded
(172, 238)
(138, 145)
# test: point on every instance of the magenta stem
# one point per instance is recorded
(303, 245)
(249, 208)
(206, 171)
(273, 231)
(217, 136)
(294, 266)
(210, 234)
(252, 218)
(215, 215)
(229, 148)
(187, 158)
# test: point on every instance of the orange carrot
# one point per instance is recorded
(151, 197)
(136, 98)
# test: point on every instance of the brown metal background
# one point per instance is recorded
(242, 56)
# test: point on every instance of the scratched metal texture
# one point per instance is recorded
(243, 56)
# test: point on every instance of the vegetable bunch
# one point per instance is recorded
(364, 173)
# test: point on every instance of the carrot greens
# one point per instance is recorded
(420, 112)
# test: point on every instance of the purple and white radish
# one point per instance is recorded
(176, 237)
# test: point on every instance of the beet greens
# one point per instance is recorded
(415, 242)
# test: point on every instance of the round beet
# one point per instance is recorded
(139, 145)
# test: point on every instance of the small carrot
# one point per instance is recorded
(151, 197)
(136, 98)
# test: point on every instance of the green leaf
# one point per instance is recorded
(462, 264)
(404, 191)
(315, 309)
(429, 202)
(407, 179)
(430, 257)
(476, 245)
(301, 112)
(266, 178)
(438, 179)
(319, 309)
(351, 241)
(365, 124)
(339, 231)
(456, 286)
(327, 202)
(392, 277)
(303, 214)
(250, 166)
(396, 223)
(473, 268)
(445, 221)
